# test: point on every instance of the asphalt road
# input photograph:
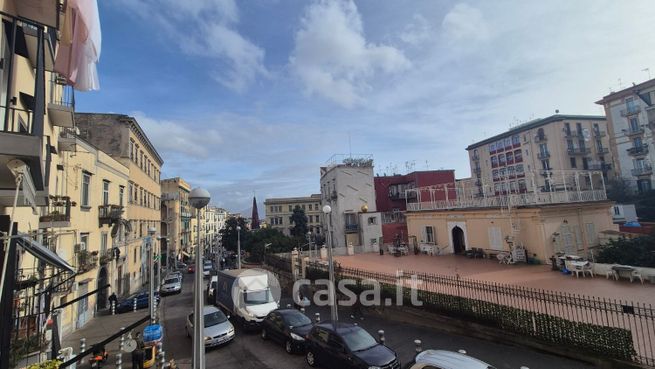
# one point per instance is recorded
(248, 350)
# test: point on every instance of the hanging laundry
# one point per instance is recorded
(79, 47)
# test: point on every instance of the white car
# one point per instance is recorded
(206, 269)
(172, 284)
(447, 360)
(218, 329)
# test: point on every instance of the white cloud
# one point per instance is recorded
(417, 31)
(465, 23)
(332, 57)
(206, 28)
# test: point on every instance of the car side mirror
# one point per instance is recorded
(228, 316)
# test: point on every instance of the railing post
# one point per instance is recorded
(381, 336)
(82, 346)
(418, 344)
(113, 307)
(318, 317)
(119, 360)
(134, 305)
(122, 340)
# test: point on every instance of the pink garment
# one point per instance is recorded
(79, 47)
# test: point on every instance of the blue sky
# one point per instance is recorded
(254, 96)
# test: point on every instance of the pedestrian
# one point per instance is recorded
(138, 354)
(113, 300)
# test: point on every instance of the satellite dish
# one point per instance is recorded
(129, 345)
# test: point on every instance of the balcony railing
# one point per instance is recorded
(524, 199)
(630, 111)
(602, 150)
(540, 138)
(599, 133)
(350, 228)
(109, 214)
(86, 260)
(59, 213)
(578, 150)
(15, 120)
(643, 171)
(638, 150)
(600, 166)
(543, 155)
(393, 217)
(568, 133)
(632, 131)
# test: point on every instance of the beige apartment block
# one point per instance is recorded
(279, 211)
(543, 154)
(631, 126)
(122, 138)
(175, 197)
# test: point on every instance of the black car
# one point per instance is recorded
(142, 302)
(347, 346)
(287, 326)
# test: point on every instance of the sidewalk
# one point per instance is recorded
(100, 328)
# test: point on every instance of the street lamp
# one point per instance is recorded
(327, 210)
(309, 243)
(151, 266)
(198, 198)
(238, 247)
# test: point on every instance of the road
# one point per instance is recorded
(248, 350)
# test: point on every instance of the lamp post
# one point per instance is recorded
(151, 266)
(327, 210)
(198, 198)
(309, 243)
(238, 247)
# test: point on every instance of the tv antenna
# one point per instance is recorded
(647, 70)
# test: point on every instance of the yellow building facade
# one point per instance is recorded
(178, 218)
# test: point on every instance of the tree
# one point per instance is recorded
(229, 233)
(638, 251)
(619, 190)
(269, 241)
(299, 221)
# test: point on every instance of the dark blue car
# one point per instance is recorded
(142, 302)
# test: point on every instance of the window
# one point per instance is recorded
(372, 220)
(543, 149)
(508, 143)
(132, 149)
(495, 238)
(637, 142)
(502, 173)
(494, 174)
(511, 171)
(509, 157)
(290, 208)
(309, 218)
(103, 242)
(634, 124)
(494, 161)
(492, 147)
(522, 186)
(518, 157)
(121, 195)
(585, 163)
(84, 241)
(516, 140)
(519, 169)
(545, 164)
(574, 164)
(135, 254)
(429, 234)
(86, 181)
(105, 192)
(501, 159)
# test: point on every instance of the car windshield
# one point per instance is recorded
(170, 280)
(257, 297)
(358, 339)
(296, 319)
(207, 266)
(213, 318)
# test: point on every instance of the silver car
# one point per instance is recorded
(218, 330)
(171, 285)
(447, 360)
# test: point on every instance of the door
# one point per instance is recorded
(458, 240)
(101, 295)
(337, 355)
(82, 305)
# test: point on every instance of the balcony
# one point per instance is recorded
(543, 155)
(86, 260)
(638, 150)
(352, 228)
(61, 107)
(600, 166)
(571, 133)
(630, 111)
(393, 217)
(578, 151)
(67, 140)
(540, 138)
(477, 171)
(59, 213)
(632, 131)
(602, 150)
(599, 133)
(546, 172)
(109, 214)
(646, 170)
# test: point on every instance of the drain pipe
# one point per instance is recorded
(19, 180)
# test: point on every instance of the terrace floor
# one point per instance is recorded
(489, 270)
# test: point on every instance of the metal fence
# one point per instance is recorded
(610, 328)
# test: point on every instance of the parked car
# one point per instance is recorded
(172, 284)
(206, 270)
(446, 360)
(347, 346)
(287, 326)
(191, 268)
(180, 265)
(142, 302)
(177, 274)
(218, 329)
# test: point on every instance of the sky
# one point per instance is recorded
(252, 97)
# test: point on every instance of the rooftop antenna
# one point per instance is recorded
(647, 70)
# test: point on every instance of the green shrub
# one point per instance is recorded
(638, 252)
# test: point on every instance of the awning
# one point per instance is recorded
(43, 253)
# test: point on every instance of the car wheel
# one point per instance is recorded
(264, 334)
(288, 347)
(311, 359)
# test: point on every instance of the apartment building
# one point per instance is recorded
(631, 126)
(280, 209)
(391, 193)
(175, 196)
(36, 115)
(212, 224)
(347, 185)
(543, 155)
(121, 137)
